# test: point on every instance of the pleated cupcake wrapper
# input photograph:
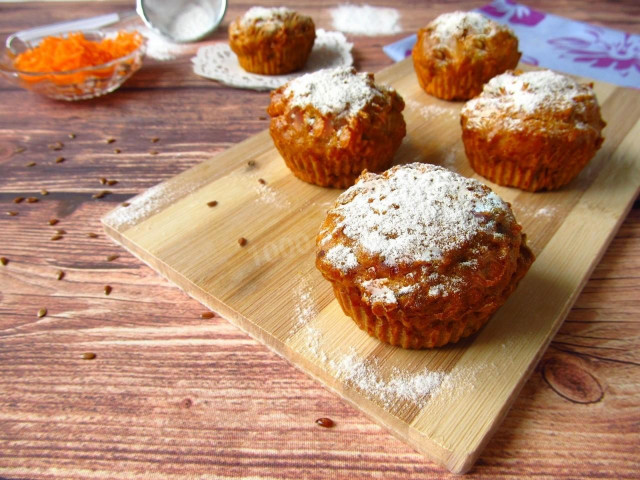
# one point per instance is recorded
(450, 85)
(394, 332)
(507, 172)
(335, 174)
(272, 62)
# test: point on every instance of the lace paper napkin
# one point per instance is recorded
(218, 62)
(560, 44)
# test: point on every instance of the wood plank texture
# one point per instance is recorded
(173, 395)
(270, 288)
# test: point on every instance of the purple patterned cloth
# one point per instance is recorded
(560, 44)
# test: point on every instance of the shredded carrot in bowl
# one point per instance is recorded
(75, 52)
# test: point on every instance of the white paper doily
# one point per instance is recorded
(218, 62)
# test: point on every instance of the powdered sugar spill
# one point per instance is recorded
(269, 195)
(160, 48)
(145, 205)
(411, 213)
(545, 212)
(366, 20)
(333, 91)
(430, 112)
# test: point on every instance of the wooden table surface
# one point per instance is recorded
(173, 395)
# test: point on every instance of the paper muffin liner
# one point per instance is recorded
(270, 61)
(391, 329)
(336, 174)
(552, 167)
(451, 85)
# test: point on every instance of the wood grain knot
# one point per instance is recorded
(186, 403)
(570, 380)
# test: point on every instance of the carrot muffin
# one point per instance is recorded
(332, 124)
(272, 41)
(420, 256)
(534, 130)
(459, 52)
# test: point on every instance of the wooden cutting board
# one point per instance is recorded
(444, 402)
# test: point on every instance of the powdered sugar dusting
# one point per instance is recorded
(261, 15)
(375, 291)
(431, 111)
(454, 24)
(411, 213)
(526, 94)
(333, 91)
(366, 376)
(342, 258)
(366, 20)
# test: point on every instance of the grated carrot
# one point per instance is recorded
(62, 54)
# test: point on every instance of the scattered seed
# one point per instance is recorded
(116, 150)
(56, 237)
(19, 150)
(59, 275)
(32, 200)
(44, 192)
(111, 140)
(107, 289)
(61, 232)
(59, 159)
(154, 139)
(262, 117)
(103, 181)
(92, 235)
(251, 163)
(325, 422)
(125, 204)
(112, 182)
(153, 152)
(31, 164)
(18, 200)
(12, 213)
(242, 241)
(53, 221)
(207, 315)
(42, 312)
(101, 194)
(72, 136)
(212, 203)
(56, 146)
(113, 257)
(88, 356)
(262, 181)
(4, 261)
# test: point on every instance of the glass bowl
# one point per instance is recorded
(79, 84)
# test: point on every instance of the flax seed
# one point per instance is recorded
(18, 200)
(19, 150)
(103, 181)
(44, 192)
(212, 203)
(125, 204)
(72, 136)
(153, 152)
(31, 164)
(107, 289)
(101, 194)
(56, 146)
(12, 213)
(57, 237)
(61, 232)
(53, 221)
(325, 422)
(32, 200)
(262, 181)
(92, 235)
(111, 140)
(4, 261)
(42, 312)
(251, 163)
(59, 275)
(88, 356)
(154, 139)
(207, 315)
(111, 183)
(242, 241)
(113, 257)
(59, 159)
(116, 150)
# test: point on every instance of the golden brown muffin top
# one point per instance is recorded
(448, 28)
(416, 229)
(337, 92)
(268, 20)
(543, 98)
